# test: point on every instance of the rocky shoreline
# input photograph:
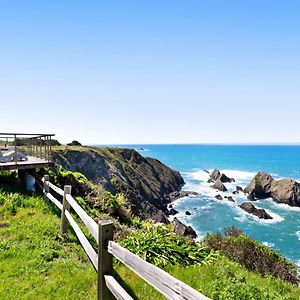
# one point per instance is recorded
(262, 186)
(152, 187)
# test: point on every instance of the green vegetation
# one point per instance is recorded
(222, 280)
(257, 180)
(158, 245)
(37, 263)
(252, 255)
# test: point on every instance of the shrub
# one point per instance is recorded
(252, 254)
(161, 247)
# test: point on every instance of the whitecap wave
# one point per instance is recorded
(197, 180)
(199, 175)
(298, 235)
(239, 175)
(282, 206)
(268, 244)
(142, 150)
(246, 217)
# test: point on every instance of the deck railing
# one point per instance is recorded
(36, 145)
(108, 287)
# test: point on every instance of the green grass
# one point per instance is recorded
(35, 262)
(223, 279)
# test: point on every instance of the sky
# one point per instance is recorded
(156, 71)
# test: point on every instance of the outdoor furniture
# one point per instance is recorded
(11, 156)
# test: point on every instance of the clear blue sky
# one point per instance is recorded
(151, 71)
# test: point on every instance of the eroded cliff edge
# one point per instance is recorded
(145, 182)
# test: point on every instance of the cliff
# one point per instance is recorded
(145, 182)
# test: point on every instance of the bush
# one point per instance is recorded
(252, 255)
(161, 247)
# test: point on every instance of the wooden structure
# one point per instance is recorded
(28, 151)
(108, 287)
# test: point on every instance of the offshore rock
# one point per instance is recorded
(285, 191)
(217, 175)
(251, 209)
(218, 185)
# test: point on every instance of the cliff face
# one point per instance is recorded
(145, 182)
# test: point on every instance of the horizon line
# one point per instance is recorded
(208, 144)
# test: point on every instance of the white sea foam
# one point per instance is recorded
(239, 175)
(298, 234)
(198, 175)
(142, 150)
(246, 217)
(241, 178)
(282, 205)
(270, 245)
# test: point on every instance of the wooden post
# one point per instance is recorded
(66, 206)
(104, 259)
(46, 187)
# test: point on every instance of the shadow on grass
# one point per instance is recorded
(124, 285)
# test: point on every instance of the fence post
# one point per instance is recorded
(46, 186)
(66, 206)
(104, 259)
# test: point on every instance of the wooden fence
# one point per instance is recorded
(108, 287)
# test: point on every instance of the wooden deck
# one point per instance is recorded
(31, 163)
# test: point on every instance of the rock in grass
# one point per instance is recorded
(183, 230)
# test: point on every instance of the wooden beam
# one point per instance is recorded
(163, 282)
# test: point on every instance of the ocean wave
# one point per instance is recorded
(246, 217)
(268, 244)
(199, 175)
(282, 206)
(197, 180)
(298, 235)
(239, 175)
(142, 150)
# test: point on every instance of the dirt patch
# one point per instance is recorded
(2, 225)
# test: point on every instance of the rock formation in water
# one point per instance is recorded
(264, 186)
(251, 209)
(217, 175)
(218, 185)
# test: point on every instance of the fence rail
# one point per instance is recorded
(108, 287)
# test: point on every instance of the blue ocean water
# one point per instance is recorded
(242, 163)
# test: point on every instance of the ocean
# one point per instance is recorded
(240, 162)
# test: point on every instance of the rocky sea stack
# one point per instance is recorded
(264, 186)
(251, 209)
(145, 182)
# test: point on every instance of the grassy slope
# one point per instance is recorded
(34, 261)
(222, 280)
